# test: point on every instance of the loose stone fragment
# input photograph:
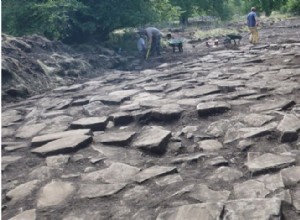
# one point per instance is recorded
(226, 174)
(55, 193)
(189, 158)
(250, 189)
(210, 145)
(202, 193)
(289, 126)
(57, 161)
(291, 176)
(122, 118)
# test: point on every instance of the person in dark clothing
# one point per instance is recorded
(252, 25)
(153, 35)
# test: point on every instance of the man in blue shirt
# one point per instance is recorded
(252, 25)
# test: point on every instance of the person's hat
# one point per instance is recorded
(253, 9)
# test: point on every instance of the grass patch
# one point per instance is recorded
(218, 32)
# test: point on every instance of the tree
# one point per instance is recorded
(294, 6)
(266, 5)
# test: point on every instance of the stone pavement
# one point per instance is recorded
(213, 138)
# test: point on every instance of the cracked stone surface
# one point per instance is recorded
(211, 133)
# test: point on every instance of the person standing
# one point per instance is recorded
(153, 35)
(252, 25)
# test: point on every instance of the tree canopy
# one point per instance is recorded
(79, 20)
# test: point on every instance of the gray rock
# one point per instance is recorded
(250, 189)
(167, 180)
(269, 161)
(94, 123)
(202, 90)
(22, 191)
(10, 117)
(291, 176)
(122, 118)
(115, 138)
(115, 173)
(245, 209)
(167, 112)
(26, 215)
(289, 126)
(202, 193)
(257, 120)
(272, 105)
(272, 182)
(154, 171)
(57, 161)
(153, 139)
(136, 194)
(55, 193)
(7, 160)
(210, 145)
(13, 146)
(217, 161)
(43, 173)
(96, 108)
(39, 140)
(188, 158)
(296, 199)
(207, 211)
(226, 174)
(212, 108)
(62, 145)
(218, 128)
(30, 130)
(98, 190)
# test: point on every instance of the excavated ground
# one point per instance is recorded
(211, 133)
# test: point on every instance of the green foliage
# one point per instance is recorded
(293, 6)
(266, 5)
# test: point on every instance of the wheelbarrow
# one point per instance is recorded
(176, 43)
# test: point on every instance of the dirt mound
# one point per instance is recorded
(33, 64)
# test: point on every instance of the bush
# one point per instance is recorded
(294, 6)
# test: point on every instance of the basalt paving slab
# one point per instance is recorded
(62, 145)
(94, 123)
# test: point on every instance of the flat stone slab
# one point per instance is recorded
(154, 171)
(115, 138)
(269, 161)
(210, 145)
(39, 140)
(57, 161)
(22, 191)
(272, 105)
(202, 90)
(250, 189)
(188, 158)
(167, 112)
(10, 117)
(212, 108)
(7, 160)
(257, 120)
(26, 215)
(289, 126)
(205, 211)
(122, 118)
(256, 209)
(28, 131)
(291, 176)
(55, 193)
(202, 193)
(226, 174)
(62, 145)
(115, 173)
(98, 190)
(94, 123)
(169, 179)
(153, 139)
